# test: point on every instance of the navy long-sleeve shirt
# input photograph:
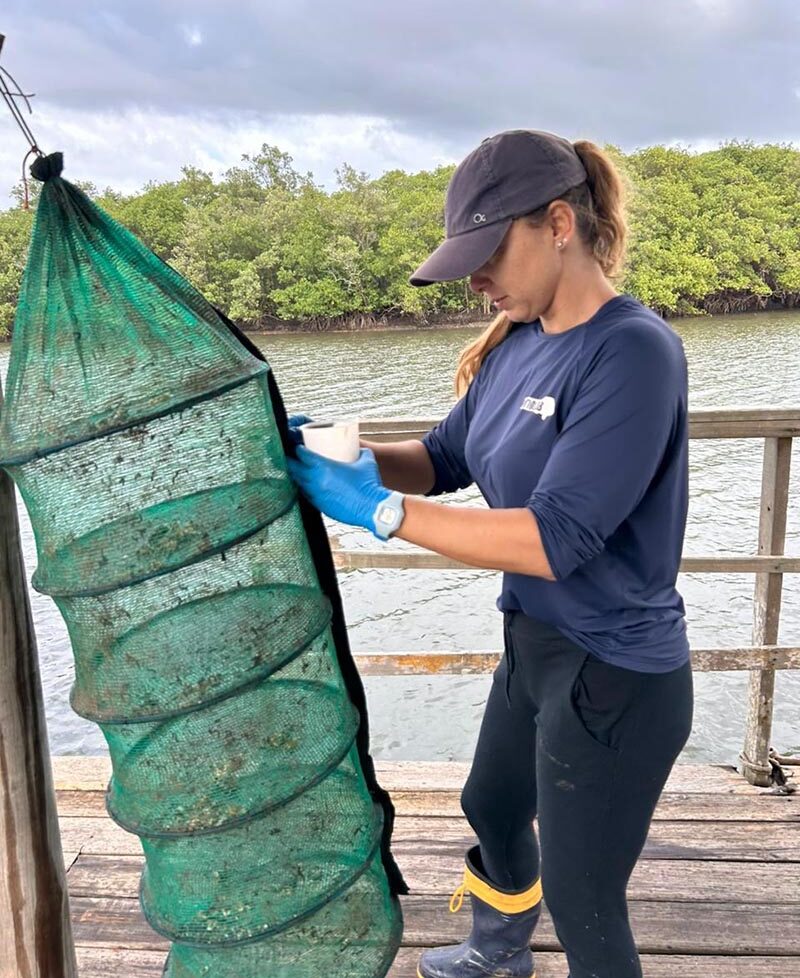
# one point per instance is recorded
(588, 429)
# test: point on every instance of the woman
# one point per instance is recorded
(573, 423)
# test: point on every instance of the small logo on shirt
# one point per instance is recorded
(545, 407)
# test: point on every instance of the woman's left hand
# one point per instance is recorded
(349, 492)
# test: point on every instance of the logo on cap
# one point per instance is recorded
(478, 218)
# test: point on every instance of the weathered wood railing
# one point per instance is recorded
(35, 931)
(777, 427)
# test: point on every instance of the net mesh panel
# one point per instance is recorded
(147, 439)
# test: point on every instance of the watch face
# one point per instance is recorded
(388, 515)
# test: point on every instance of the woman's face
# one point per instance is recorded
(521, 277)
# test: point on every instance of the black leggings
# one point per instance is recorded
(586, 747)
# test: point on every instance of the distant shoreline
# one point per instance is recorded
(367, 323)
(390, 324)
(377, 328)
(398, 324)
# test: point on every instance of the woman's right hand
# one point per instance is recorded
(295, 421)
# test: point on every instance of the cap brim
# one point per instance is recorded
(462, 254)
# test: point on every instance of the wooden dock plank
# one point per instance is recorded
(734, 841)
(450, 776)
(727, 841)
(100, 962)
(654, 879)
(92, 774)
(551, 964)
(660, 927)
(672, 806)
(117, 962)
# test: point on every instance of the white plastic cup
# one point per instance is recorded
(337, 440)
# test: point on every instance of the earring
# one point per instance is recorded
(561, 244)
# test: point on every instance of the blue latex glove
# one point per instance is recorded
(349, 492)
(295, 421)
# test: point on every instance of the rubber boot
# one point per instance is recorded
(502, 925)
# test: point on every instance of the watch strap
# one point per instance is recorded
(388, 515)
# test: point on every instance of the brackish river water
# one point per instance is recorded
(743, 361)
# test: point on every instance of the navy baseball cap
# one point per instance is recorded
(507, 176)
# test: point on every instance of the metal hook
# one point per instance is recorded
(10, 96)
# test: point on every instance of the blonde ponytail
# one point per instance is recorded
(601, 218)
(599, 205)
(473, 355)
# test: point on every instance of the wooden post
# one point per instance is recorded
(35, 933)
(754, 759)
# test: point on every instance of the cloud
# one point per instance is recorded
(125, 150)
(387, 83)
(193, 36)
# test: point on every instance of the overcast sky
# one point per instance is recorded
(132, 91)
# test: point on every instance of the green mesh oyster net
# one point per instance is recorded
(147, 438)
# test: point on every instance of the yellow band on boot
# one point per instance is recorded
(505, 902)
